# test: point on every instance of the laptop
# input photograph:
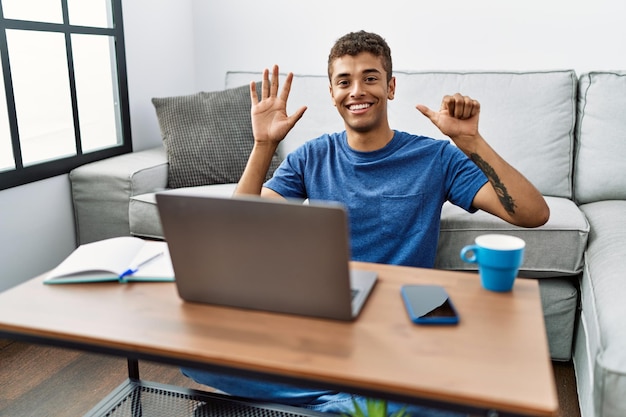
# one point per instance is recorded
(263, 254)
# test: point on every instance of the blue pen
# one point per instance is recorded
(131, 271)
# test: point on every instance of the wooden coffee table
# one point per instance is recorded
(495, 361)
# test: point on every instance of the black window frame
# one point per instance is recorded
(20, 174)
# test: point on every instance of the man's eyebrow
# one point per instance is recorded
(372, 70)
(342, 75)
(365, 72)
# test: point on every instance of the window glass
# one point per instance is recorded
(96, 89)
(35, 10)
(66, 99)
(42, 95)
(96, 13)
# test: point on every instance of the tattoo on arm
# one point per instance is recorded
(505, 199)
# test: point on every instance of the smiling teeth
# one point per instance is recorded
(359, 106)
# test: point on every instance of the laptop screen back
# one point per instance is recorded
(258, 253)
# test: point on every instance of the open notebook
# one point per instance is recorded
(123, 259)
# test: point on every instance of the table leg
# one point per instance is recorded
(133, 369)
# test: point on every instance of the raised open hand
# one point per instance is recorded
(270, 122)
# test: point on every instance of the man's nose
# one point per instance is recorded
(357, 89)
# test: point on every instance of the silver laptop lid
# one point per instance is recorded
(265, 254)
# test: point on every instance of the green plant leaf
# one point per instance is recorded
(373, 408)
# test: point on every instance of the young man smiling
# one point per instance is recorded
(392, 183)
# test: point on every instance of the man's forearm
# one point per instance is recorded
(519, 202)
(254, 174)
(507, 202)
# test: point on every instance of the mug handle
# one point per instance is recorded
(468, 253)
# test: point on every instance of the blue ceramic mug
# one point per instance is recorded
(498, 257)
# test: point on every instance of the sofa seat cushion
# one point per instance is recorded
(554, 249)
(600, 353)
(143, 214)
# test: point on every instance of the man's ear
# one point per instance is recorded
(391, 88)
(332, 96)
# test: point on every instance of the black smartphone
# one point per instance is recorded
(429, 304)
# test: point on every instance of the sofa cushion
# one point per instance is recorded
(143, 215)
(601, 137)
(207, 135)
(538, 107)
(101, 191)
(554, 249)
(599, 355)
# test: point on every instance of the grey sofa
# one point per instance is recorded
(566, 133)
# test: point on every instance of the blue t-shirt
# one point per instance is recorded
(393, 195)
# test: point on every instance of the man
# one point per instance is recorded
(392, 174)
(393, 184)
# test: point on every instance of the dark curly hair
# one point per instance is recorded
(356, 42)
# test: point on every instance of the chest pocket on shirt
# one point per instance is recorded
(402, 215)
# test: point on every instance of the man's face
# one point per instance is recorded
(360, 91)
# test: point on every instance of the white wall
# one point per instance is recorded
(423, 35)
(181, 46)
(36, 229)
(159, 60)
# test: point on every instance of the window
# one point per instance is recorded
(64, 97)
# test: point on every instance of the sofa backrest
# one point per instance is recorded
(600, 164)
(527, 117)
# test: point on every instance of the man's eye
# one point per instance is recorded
(371, 79)
(342, 83)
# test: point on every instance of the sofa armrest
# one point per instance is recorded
(101, 191)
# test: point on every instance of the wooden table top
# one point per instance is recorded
(496, 358)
